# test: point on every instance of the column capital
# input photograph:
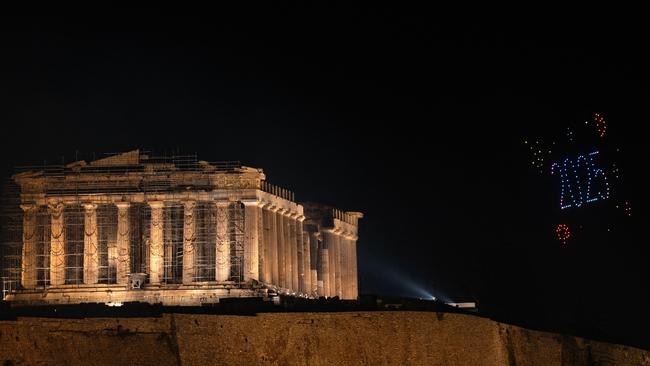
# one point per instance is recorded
(28, 207)
(221, 203)
(89, 206)
(122, 205)
(293, 215)
(355, 214)
(250, 202)
(263, 204)
(345, 234)
(189, 204)
(55, 208)
(156, 204)
(300, 218)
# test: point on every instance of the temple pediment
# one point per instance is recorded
(127, 158)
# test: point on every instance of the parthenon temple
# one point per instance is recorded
(172, 230)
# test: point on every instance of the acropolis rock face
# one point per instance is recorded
(347, 338)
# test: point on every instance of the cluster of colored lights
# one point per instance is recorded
(569, 134)
(601, 124)
(563, 233)
(615, 170)
(579, 190)
(539, 154)
(628, 208)
(583, 179)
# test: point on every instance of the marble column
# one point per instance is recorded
(313, 254)
(343, 252)
(303, 258)
(293, 246)
(29, 259)
(346, 263)
(223, 242)
(251, 240)
(189, 241)
(337, 264)
(91, 246)
(266, 248)
(354, 282)
(261, 247)
(273, 245)
(330, 246)
(123, 243)
(324, 272)
(168, 245)
(282, 278)
(57, 245)
(286, 244)
(156, 253)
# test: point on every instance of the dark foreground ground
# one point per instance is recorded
(256, 333)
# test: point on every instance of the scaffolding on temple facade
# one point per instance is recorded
(136, 220)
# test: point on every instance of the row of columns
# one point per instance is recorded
(283, 255)
(120, 256)
(337, 264)
(277, 250)
(156, 242)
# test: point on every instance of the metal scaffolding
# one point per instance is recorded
(42, 236)
(11, 236)
(206, 242)
(64, 237)
(107, 243)
(236, 240)
(73, 248)
(139, 235)
(173, 243)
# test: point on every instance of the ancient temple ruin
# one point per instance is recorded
(173, 230)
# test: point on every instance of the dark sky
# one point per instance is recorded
(412, 119)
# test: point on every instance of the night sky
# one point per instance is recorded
(415, 121)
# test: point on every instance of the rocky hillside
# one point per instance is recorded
(346, 338)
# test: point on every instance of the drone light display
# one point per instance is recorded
(581, 181)
(581, 160)
(563, 233)
(540, 154)
(601, 124)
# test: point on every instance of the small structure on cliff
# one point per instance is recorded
(172, 230)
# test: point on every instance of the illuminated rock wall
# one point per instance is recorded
(352, 338)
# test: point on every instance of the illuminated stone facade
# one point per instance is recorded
(176, 231)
